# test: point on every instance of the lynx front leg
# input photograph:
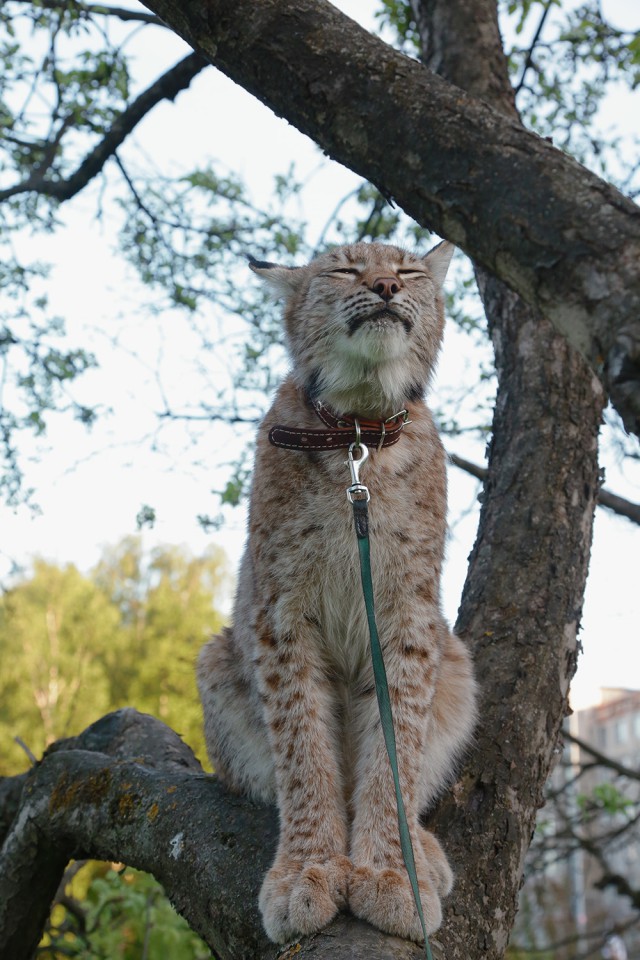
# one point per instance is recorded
(307, 884)
(379, 887)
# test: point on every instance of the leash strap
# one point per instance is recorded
(358, 495)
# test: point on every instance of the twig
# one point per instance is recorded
(529, 58)
(32, 759)
(98, 9)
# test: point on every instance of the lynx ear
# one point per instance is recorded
(438, 261)
(283, 280)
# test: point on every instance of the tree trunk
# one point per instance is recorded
(565, 240)
(520, 611)
(523, 595)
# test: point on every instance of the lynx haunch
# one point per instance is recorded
(288, 696)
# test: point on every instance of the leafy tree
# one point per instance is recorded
(104, 913)
(566, 244)
(54, 628)
(167, 605)
(76, 646)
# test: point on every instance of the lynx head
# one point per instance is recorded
(363, 323)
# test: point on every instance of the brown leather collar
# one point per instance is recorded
(342, 432)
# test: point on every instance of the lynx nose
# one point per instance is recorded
(385, 287)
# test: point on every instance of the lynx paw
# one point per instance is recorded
(385, 899)
(299, 898)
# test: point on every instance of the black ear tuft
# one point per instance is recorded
(283, 280)
(260, 264)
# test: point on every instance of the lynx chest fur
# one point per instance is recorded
(288, 696)
(301, 532)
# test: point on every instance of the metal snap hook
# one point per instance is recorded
(357, 490)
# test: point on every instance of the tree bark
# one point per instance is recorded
(520, 611)
(566, 241)
(606, 498)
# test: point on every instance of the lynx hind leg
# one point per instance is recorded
(452, 719)
(234, 731)
(437, 863)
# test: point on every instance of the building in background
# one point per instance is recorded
(582, 882)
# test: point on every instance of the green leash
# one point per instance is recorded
(358, 496)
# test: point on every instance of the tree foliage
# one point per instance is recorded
(78, 646)
(55, 627)
(110, 912)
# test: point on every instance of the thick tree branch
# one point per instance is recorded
(129, 789)
(10, 796)
(565, 240)
(624, 508)
(167, 87)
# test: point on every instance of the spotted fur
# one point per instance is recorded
(288, 696)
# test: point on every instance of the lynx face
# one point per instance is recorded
(364, 323)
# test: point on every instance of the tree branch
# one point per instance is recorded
(129, 789)
(453, 163)
(166, 87)
(624, 508)
(601, 758)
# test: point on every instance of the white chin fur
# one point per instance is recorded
(375, 342)
(356, 383)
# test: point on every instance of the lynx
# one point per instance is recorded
(289, 703)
